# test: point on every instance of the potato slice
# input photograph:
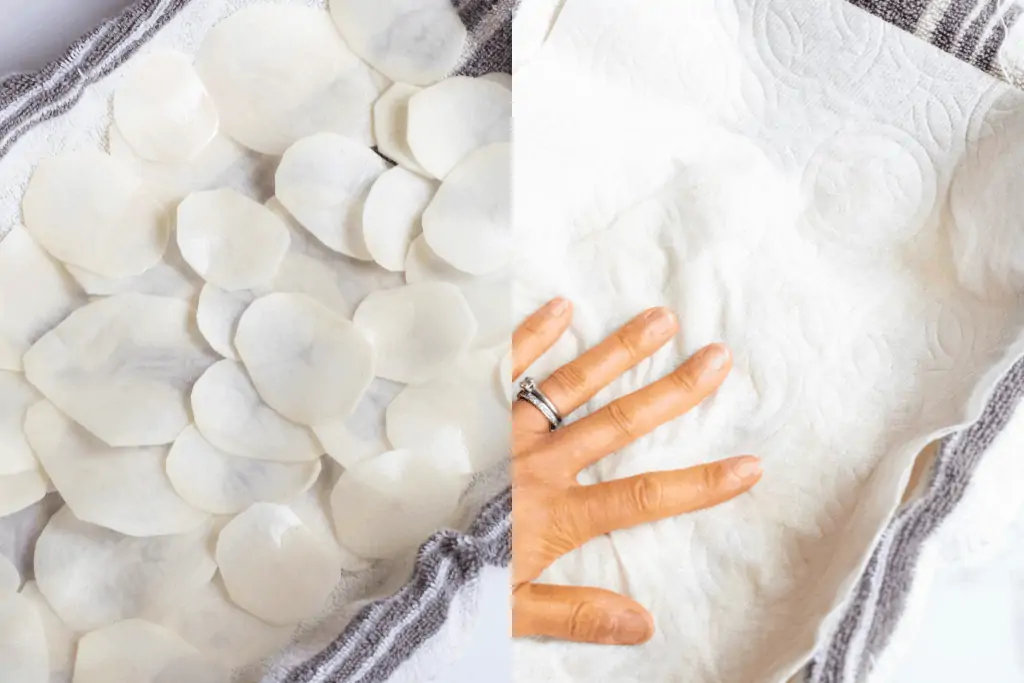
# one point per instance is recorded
(314, 509)
(10, 579)
(454, 118)
(230, 240)
(306, 362)
(323, 181)
(417, 331)
(223, 632)
(411, 41)
(93, 211)
(172, 277)
(164, 110)
(123, 489)
(35, 294)
(224, 484)
(122, 367)
(61, 641)
(274, 566)
(16, 395)
(473, 409)
(344, 447)
(93, 577)
(391, 124)
(389, 504)
(19, 491)
(469, 222)
(137, 651)
(231, 415)
(488, 296)
(279, 73)
(391, 215)
(217, 315)
(23, 654)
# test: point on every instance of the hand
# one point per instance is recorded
(552, 514)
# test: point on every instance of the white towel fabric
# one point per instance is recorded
(835, 199)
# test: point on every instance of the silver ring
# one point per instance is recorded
(529, 392)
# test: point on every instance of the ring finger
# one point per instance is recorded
(577, 382)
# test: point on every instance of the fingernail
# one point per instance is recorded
(634, 628)
(715, 358)
(659, 321)
(747, 467)
(558, 306)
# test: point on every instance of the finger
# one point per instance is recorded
(585, 615)
(627, 419)
(538, 333)
(577, 382)
(603, 508)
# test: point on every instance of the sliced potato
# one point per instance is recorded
(122, 367)
(391, 124)
(23, 654)
(19, 491)
(137, 651)
(123, 489)
(473, 410)
(279, 73)
(314, 509)
(469, 222)
(389, 504)
(224, 484)
(10, 579)
(163, 109)
(489, 296)
(274, 566)
(172, 277)
(417, 331)
(306, 362)
(231, 415)
(217, 316)
(93, 211)
(16, 395)
(61, 641)
(230, 240)
(93, 577)
(35, 294)
(344, 447)
(323, 181)
(410, 41)
(223, 632)
(391, 215)
(452, 119)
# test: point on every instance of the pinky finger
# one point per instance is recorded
(584, 615)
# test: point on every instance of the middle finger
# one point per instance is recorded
(575, 383)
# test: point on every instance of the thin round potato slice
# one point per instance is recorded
(472, 410)
(231, 415)
(217, 315)
(222, 631)
(314, 509)
(19, 491)
(16, 396)
(344, 447)
(61, 641)
(469, 222)
(391, 215)
(123, 489)
(23, 654)
(164, 110)
(410, 41)
(93, 577)
(489, 296)
(35, 294)
(231, 240)
(391, 125)
(389, 504)
(417, 331)
(122, 368)
(137, 651)
(452, 119)
(224, 484)
(279, 73)
(323, 181)
(307, 363)
(10, 579)
(93, 211)
(172, 277)
(274, 566)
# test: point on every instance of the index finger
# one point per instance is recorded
(538, 333)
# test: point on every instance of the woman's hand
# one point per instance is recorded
(552, 514)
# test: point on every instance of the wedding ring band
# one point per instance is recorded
(529, 392)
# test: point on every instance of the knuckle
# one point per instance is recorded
(629, 339)
(587, 622)
(622, 420)
(571, 379)
(708, 482)
(685, 379)
(646, 493)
